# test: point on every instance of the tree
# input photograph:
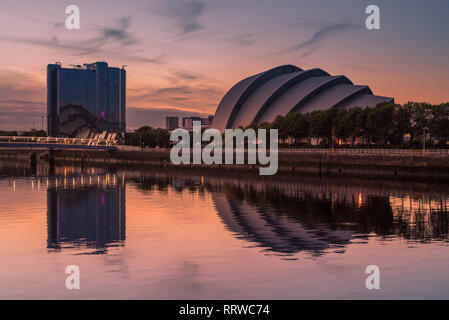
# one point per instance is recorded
(148, 137)
(384, 121)
(340, 125)
(360, 129)
(300, 126)
(8, 133)
(440, 122)
(352, 130)
(420, 118)
(280, 124)
(402, 124)
(35, 133)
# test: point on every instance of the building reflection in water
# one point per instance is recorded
(288, 218)
(86, 211)
(277, 233)
(282, 216)
(300, 218)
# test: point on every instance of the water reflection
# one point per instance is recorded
(290, 217)
(282, 216)
(419, 219)
(92, 216)
(275, 232)
(86, 208)
(198, 235)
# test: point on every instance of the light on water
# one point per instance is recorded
(179, 234)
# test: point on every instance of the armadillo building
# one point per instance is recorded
(285, 89)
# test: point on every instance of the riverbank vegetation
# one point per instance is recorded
(386, 125)
(411, 125)
(148, 137)
(32, 133)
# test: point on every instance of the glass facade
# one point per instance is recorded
(90, 97)
(92, 216)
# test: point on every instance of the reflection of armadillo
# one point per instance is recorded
(275, 232)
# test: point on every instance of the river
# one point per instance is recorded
(183, 234)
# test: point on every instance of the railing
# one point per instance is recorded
(54, 140)
(374, 152)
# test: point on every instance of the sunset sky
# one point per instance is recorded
(182, 56)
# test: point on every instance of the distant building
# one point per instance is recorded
(286, 89)
(171, 123)
(187, 122)
(90, 97)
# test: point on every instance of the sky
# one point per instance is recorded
(182, 56)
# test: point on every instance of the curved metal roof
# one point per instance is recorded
(331, 97)
(284, 89)
(237, 96)
(264, 227)
(260, 101)
(292, 100)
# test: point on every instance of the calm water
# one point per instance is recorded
(184, 235)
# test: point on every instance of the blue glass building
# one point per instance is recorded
(89, 97)
(90, 215)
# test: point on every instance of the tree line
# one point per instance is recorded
(32, 133)
(147, 136)
(387, 124)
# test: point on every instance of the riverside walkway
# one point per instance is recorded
(56, 143)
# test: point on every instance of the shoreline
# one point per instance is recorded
(411, 165)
